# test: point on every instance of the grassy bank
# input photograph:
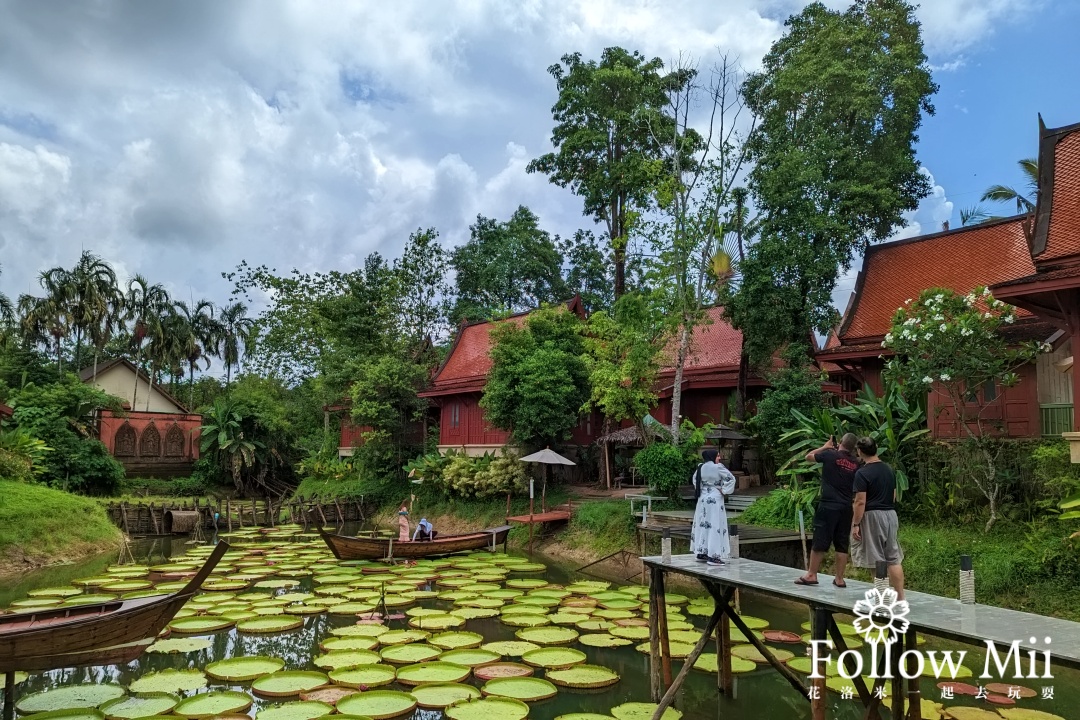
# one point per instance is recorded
(40, 526)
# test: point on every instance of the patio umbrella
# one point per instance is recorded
(546, 457)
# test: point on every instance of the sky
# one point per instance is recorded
(176, 139)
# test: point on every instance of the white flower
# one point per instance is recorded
(970, 298)
(1009, 319)
(986, 291)
(943, 327)
(939, 297)
(888, 337)
(929, 336)
(927, 379)
(965, 332)
(945, 377)
(988, 315)
(1046, 347)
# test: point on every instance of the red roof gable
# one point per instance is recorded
(961, 259)
(1057, 227)
(714, 345)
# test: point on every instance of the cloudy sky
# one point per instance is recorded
(177, 138)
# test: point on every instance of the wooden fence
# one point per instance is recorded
(149, 519)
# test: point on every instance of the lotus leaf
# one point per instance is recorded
(73, 714)
(340, 659)
(301, 710)
(488, 708)
(642, 711)
(55, 592)
(525, 620)
(433, 672)
(474, 613)
(241, 669)
(471, 657)
(409, 654)
(455, 640)
(270, 624)
(548, 635)
(365, 630)
(442, 621)
(378, 704)
(603, 640)
(200, 624)
(706, 662)
(510, 648)
(349, 643)
(678, 650)
(169, 681)
(583, 676)
(213, 704)
(526, 689)
(365, 676)
(286, 683)
(526, 583)
(590, 624)
(440, 695)
(553, 658)
(69, 698)
(144, 706)
(180, 645)
(749, 652)
(402, 637)
(631, 633)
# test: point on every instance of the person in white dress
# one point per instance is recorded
(709, 539)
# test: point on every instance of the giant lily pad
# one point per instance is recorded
(502, 670)
(329, 694)
(642, 711)
(474, 613)
(603, 640)
(55, 592)
(378, 704)
(749, 652)
(440, 695)
(456, 640)
(301, 710)
(706, 662)
(442, 621)
(287, 683)
(631, 633)
(471, 657)
(510, 648)
(212, 704)
(200, 624)
(583, 676)
(678, 650)
(169, 681)
(409, 654)
(525, 620)
(804, 665)
(73, 714)
(365, 630)
(270, 624)
(488, 708)
(402, 637)
(526, 689)
(365, 676)
(526, 583)
(69, 698)
(553, 658)
(432, 672)
(144, 706)
(1025, 714)
(340, 659)
(241, 669)
(348, 643)
(180, 645)
(548, 635)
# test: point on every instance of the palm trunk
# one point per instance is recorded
(228, 374)
(676, 390)
(78, 346)
(59, 358)
(191, 387)
(150, 389)
(138, 361)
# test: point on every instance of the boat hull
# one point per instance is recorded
(358, 548)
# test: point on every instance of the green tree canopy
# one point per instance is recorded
(538, 380)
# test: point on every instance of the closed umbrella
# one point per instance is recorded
(547, 457)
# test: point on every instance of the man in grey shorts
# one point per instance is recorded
(874, 524)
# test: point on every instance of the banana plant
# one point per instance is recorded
(1070, 510)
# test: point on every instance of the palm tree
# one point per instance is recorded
(88, 290)
(144, 306)
(1025, 203)
(168, 344)
(7, 313)
(236, 336)
(108, 323)
(200, 337)
(47, 320)
(223, 437)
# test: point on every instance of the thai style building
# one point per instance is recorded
(155, 435)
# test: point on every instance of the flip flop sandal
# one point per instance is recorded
(839, 585)
(804, 581)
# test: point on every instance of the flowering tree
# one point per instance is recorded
(952, 345)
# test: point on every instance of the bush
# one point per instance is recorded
(665, 467)
(794, 387)
(22, 456)
(780, 508)
(482, 477)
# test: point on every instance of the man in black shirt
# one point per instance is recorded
(875, 524)
(832, 519)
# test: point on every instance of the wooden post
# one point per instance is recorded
(507, 504)
(840, 645)
(914, 693)
(607, 465)
(228, 514)
(321, 514)
(9, 695)
(657, 582)
(123, 512)
(669, 696)
(819, 625)
(725, 678)
(897, 681)
(254, 513)
(655, 607)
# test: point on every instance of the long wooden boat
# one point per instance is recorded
(374, 548)
(102, 634)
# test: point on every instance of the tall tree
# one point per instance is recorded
(505, 267)
(606, 138)
(236, 336)
(588, 266)
(7, 314)
(840, 98)
(421, 287)
(200, 337)
(47, 320)
(145, 305)
(89, 289)
(1025, 201)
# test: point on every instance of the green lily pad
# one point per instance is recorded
(340, 659)
(488, 708)
(553, 658)
(510, 648)
(180, 645)
(706, 662)
(365, 630)
(69, 698)
(526, 583)
(583, 676)
(591, 625)
(442, 621)
(470, 657)
(474, 613)
(200, 624)
(749, 652)
(631, 633)
(525, 620)
(433, 672)
(402, 637)
(270, 624)
(526, 689)
(456, 640)
(364, 676)
(212, 704)
(169, 680)
(55, 592)
(1021, 714)
(603, 640)
(349, 643)
(526, 567)
(144, 706)
(584, 716)
(409, 654)
(678, 650)
(548, 635)
(378, 704)
(286, 683)
(300, 710)
(803, 665)
(242, 669)
(642, 711)
(351, 608)
(440, 695)
(523, 609)
(73, 714)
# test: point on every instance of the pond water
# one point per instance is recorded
(313, 583)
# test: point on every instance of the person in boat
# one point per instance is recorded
(403, 523)
(425, 531)
(709, 535)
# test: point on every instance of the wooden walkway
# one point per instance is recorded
(929, 614)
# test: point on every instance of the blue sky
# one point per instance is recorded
(176, 139)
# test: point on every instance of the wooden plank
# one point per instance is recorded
(725, 678)
(897, 680)
(669, 696)
(656, 605)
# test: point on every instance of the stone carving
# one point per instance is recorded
(124, 443)
(150, 442)
(174, 442)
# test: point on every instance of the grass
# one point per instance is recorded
(39, 525)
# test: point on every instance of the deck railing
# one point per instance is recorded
(1056, 418)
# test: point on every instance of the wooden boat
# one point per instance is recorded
(375, 548)
(102, 634)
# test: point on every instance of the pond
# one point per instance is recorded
(281, 596)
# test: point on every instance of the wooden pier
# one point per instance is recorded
(929, 614)
(150, 518)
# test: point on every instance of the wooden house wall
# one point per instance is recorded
(1055, 387)
(1014, 413)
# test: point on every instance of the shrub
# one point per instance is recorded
(22, 456)
(664, 466)
(482, 477)
(780, 508)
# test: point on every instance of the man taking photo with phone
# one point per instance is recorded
(832, 519)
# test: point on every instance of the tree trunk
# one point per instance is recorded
(150, 389)
(138, 363)
(95, 364)
(191, 387)
(228, 374)
(676, 389)
(78, 346)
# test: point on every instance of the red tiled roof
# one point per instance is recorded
(714, 345)
(961, 259)
(469, 358)
(1066, 273)
(1063, 233)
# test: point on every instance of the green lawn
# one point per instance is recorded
(39, 525)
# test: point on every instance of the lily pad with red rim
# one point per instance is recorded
(242, 669)
(583, 676)
(553, 658)
(287, 683)
(1005, 689)
(433, 672)
(213, 704)
(378, 704)
(488, 708)
(441, 695)
(526, 689)
(365, 676)
(300, 710)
